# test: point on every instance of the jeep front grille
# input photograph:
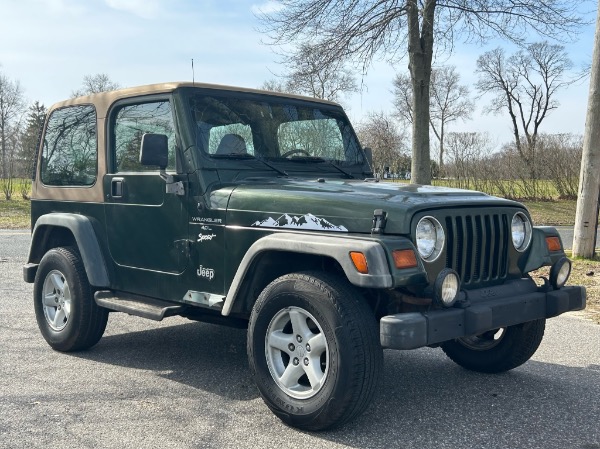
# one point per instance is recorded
(477, 247)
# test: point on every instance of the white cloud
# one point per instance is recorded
(147, 9)
(268, 7)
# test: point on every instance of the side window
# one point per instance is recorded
(70, 151)
(131, 122)
(216, 143)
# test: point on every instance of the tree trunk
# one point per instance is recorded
(3, 150)
(586, 218)
(441, 161)
(420, 51)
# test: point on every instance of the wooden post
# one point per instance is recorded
(586, 217)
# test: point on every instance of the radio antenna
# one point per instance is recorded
(193, 80)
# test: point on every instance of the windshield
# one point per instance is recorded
(274, 129)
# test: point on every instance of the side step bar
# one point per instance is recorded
(142, 306)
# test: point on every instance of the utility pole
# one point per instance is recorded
(586, 218)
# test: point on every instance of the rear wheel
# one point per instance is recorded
(498, 350)
(67, 315)
(314, 350)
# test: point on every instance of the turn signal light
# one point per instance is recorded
(553, 244)
(404, 258)
(360, 262)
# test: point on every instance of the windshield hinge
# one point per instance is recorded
(379, 221)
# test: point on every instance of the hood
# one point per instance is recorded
(343, 206)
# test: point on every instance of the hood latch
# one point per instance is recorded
(379, 221)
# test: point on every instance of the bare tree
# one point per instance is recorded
(307, 74)
(465, 151)
(525, 85)
(365, 29)
(562, 158)
(449, 102)
(30, 140)
(12, 106)
(93, 84)
(382, 134)
(278, 85)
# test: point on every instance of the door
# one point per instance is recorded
(146, 227)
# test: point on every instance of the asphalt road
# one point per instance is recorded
(180, 384)
(566, 235)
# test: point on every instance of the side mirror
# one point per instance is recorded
(369, 154)
(154, 150)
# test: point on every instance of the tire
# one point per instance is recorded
(67, 315)
(313, 350)
(499, 350)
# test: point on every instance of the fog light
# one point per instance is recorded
(446, 288)
(560, 272)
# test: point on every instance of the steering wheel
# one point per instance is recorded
(296, 151)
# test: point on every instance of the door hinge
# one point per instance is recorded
(176, 188)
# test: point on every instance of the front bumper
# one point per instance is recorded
(482, 310)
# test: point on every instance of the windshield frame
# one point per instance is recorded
(262, 130)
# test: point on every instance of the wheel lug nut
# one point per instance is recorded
(298, 338)
(306, 361)
(291, 347)
(296, 361)
(308, 347)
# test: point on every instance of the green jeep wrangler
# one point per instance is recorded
(257, 209)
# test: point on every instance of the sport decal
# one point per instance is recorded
(308, 221)
(206, 237)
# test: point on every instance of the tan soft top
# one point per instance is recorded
(103, 100)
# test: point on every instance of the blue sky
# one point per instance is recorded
(50, 45)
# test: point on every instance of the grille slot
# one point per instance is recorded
(477, 247)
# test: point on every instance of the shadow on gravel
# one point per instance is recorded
(424, 399)
(204, 356)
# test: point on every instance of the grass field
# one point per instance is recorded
(14, 214)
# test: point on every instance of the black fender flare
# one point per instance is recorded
(338, 248)
(87, 243)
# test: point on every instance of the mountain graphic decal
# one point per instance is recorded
(308, 221)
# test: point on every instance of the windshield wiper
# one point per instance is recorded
(247, 156)
(281, 172)
(308, 159)
(348, 175)
(232, 156)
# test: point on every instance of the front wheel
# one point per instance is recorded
(498, 350)
(67, 315)
(314, 350)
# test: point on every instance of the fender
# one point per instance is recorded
(87, 243)
(379, 275)
(538, 250)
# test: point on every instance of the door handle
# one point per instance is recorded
(117, 187)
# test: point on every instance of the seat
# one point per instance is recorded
(231, 144)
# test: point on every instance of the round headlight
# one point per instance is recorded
(430, 238)
(521, 231)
